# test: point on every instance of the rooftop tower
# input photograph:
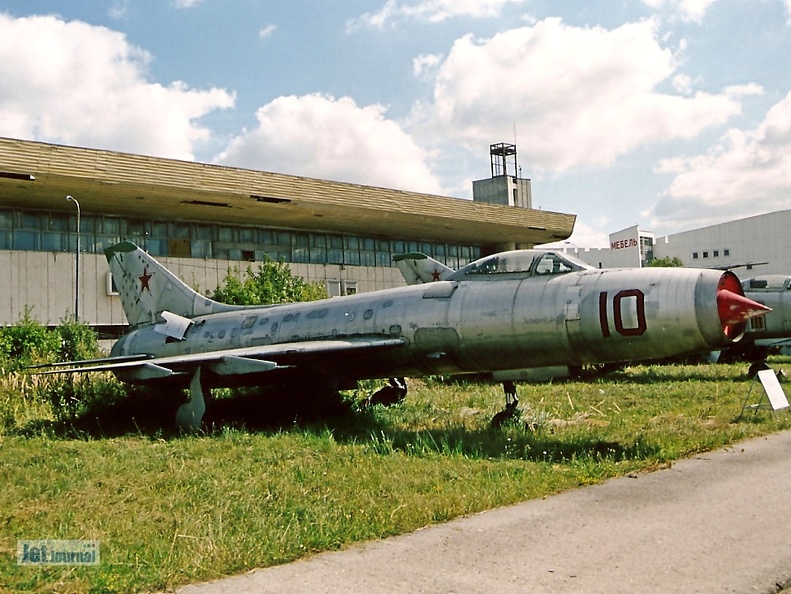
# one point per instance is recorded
(505, 187)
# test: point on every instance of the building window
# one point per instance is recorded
(351, 250)
(201, 248)
(225, 234)
(694, 255)
(726, 252)
(335, 250)
(383, 254)
(180, 248)
(54, 232)
(246, 235)
(300, 250)
(705, 254)
(318, 249)
(25, 240)
(368, 252)
(334, 288)
(110, 286)
(29, 221)
(53, 242)
(716, 254)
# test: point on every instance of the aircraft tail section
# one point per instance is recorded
(147, 288)
(418, 268)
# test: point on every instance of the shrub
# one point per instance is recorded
(77, 340)
(27, 342)
(272, 283)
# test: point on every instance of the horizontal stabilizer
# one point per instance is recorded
(133, 370)
(92, 362)
(229, 362)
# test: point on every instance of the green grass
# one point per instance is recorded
(170, 510)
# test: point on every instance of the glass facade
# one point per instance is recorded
(55, 232)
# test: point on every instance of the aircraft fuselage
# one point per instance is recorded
(472, 325)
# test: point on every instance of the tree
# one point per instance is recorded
(272, 283)
(666, 262)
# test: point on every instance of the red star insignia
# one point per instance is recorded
(435, 275)
(144, 280)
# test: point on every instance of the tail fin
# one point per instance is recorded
(418, 268)
(147, 288)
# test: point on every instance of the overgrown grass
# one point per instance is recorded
(170, 509)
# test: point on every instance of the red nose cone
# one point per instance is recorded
(736, 309)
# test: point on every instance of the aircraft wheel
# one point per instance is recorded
(509, 414)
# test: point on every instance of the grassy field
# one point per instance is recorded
(170, 510)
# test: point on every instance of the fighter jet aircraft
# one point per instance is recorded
(502, 313)
(765, 333)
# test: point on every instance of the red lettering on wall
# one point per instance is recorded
(623, 244)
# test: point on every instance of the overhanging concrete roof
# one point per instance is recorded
(107, 182)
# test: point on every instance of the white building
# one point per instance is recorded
(756, 245)
(763, 239)
(629, 248)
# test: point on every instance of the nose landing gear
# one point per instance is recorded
(511, 411)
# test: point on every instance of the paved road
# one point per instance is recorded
(716, 523)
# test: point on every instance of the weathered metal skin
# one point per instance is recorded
(472, 323)
(499, 315)
(773, 290)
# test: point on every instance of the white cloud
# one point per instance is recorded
(323, 137)
(683, 84)
(746, 173)
(186, 3)
(584, 236)
(692, 11)
(578, 97)
(426, 64)
(432, 11)
(787, 4)
(267, 31)
(118, 9)
(73, 83)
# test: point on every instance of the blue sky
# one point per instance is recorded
(670, 114)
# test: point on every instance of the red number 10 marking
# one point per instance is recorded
(617, 305)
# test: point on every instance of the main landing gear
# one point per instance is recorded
(511, 411)
(190, 414)
(391, 394)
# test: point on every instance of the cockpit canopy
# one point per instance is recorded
(521, 262)
(768, 283)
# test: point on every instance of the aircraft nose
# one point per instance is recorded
(736, 309)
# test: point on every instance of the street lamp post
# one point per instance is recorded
(77, 262)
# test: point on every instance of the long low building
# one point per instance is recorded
(202, 220)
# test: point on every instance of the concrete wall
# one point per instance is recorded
(44, 283)
(505, 190)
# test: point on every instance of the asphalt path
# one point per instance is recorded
(718, 522)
